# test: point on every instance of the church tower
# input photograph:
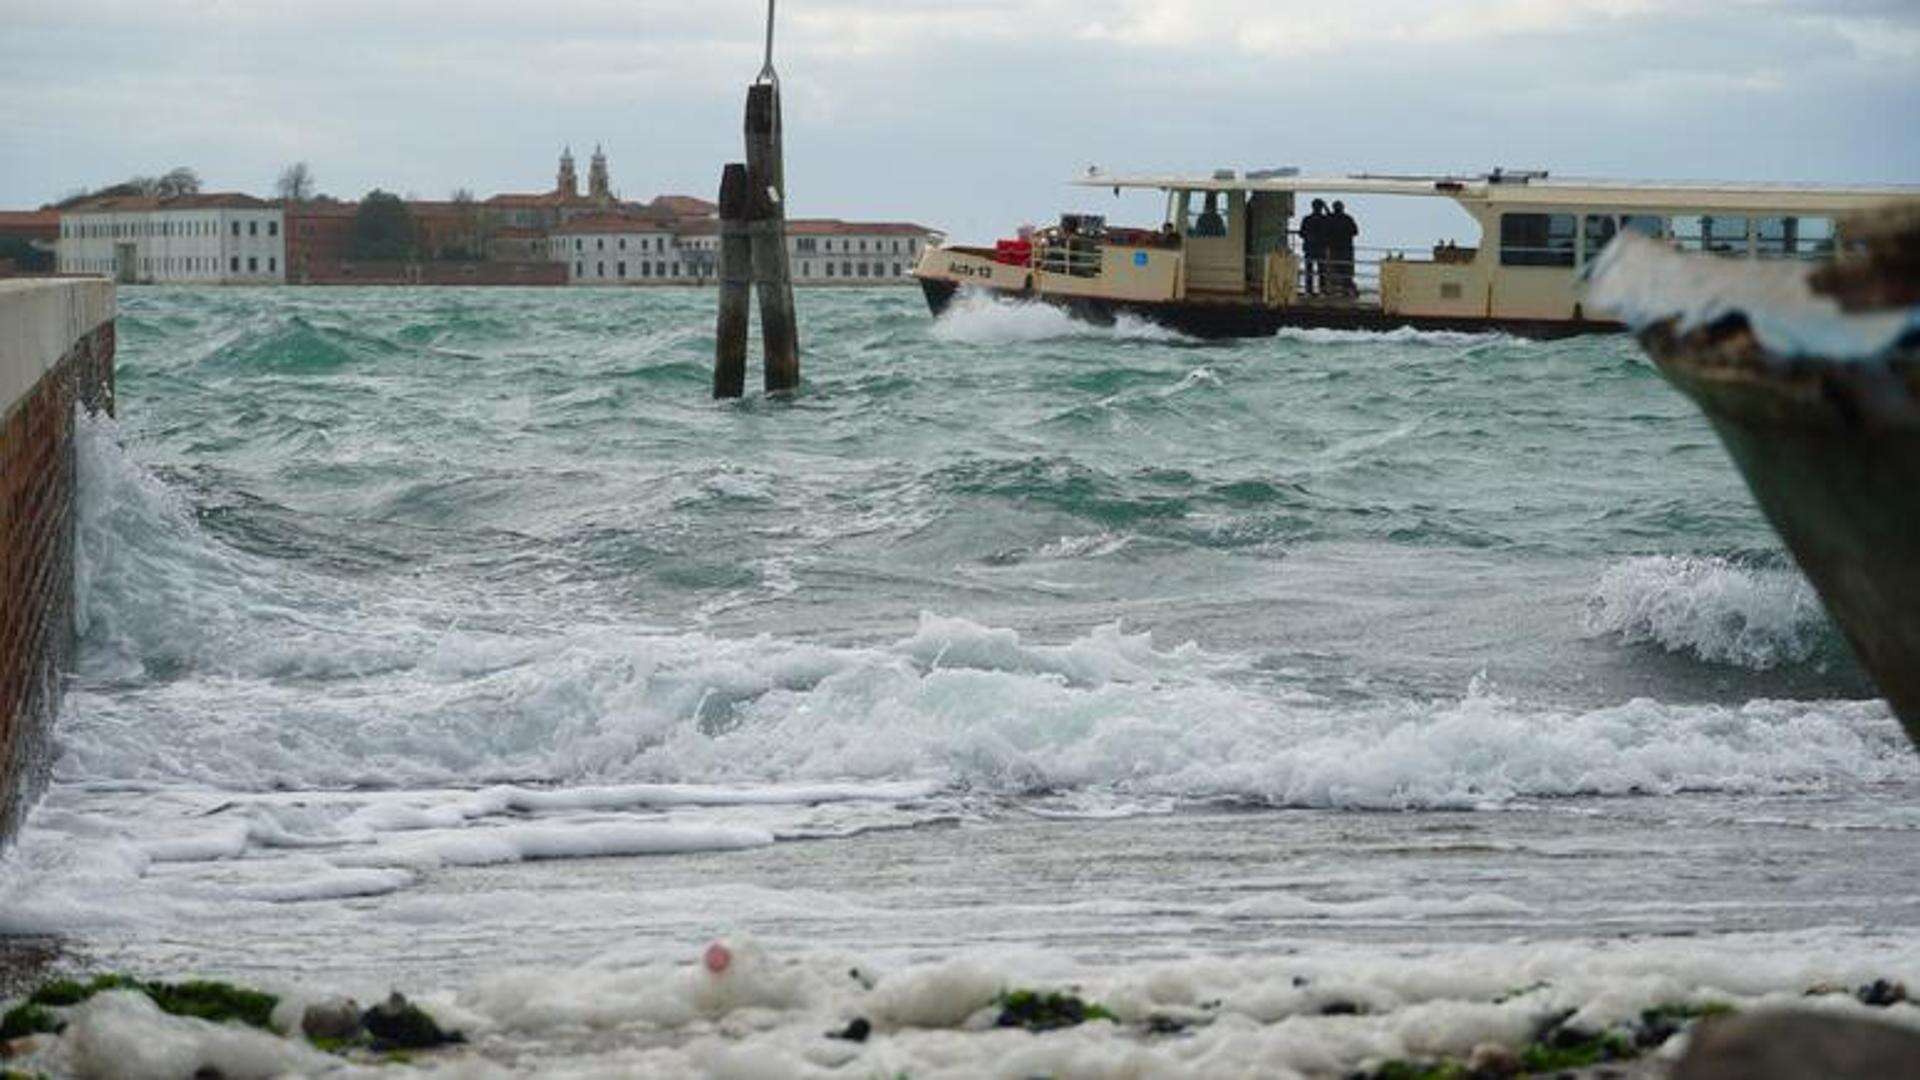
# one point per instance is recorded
(599, 186)
(569, 179)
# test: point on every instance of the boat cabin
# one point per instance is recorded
(1233, 240)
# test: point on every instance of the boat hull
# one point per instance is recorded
(1228, 320)
(1831, 451)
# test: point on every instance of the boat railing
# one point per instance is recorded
(1075, 256)
(1358, 278)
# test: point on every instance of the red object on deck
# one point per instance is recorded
(1013, 252)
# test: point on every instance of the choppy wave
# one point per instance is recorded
(272, 677)
(1714, 609)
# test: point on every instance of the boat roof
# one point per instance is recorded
(1529, 189)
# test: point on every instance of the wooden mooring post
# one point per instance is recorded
(753, 247)
(767, 223)
(736, 285)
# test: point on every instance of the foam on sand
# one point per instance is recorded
(1331, 1011)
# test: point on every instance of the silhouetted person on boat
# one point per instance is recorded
(1210, 223)
(1341, 232)
(1313, 247)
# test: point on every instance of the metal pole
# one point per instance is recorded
(766, 70)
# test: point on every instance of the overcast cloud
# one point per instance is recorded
(962, 114)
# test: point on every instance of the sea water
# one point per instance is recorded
(456, 641)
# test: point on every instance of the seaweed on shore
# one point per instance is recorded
(1037, 1011)
(1557, 1048)
(216, 1002)
(25, 1020)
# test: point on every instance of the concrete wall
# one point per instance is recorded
(56, 350)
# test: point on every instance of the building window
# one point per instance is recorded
(600, 269)
(806, 269)
(829, 269)
(579, 269)
(273, 265)
(576, 244)
(676, 269)
(899, 271)
(273, 228)
(646, 269)
(623, 247)
(253, 264)
(236, 264)
(600, 244)
(620, 268)
(236, 228)
(1537, 239)
(253, 228)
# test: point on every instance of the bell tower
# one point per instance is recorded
(599, 185)
(569, 179)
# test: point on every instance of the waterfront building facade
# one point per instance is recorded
(614, 250)
(552, 237)
(225, 238)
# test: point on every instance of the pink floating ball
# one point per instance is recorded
(718, 958)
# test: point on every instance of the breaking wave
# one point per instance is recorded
(273, 677)
(979, 318)
(1719, 611)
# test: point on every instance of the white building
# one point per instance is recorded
(614, 250)
(201, 239)
(620, 250)
(856, 253)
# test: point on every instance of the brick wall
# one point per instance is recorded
(37, 523)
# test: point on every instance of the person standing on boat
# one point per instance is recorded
(1342, 230)
(1313, 247)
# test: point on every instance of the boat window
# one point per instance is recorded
(1209, 216)
(1536, 239)
(1645, 225)
(1725, 235)
(1793, 237)
(1602, 228)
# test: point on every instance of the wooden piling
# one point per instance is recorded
(767, 226)
(736, 284)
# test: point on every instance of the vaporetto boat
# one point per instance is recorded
(1227, 259)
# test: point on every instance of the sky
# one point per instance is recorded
(964, 115)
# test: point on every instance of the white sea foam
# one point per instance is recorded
(1404, 335)
(980, 318)
(1714, 609)
(764, 1014)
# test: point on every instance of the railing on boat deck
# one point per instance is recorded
(1357, 279)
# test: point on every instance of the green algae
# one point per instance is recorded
(1559, 1049)
(216, 1002)
(1036, 1011)
(27, 1020)
(1576, 1050)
